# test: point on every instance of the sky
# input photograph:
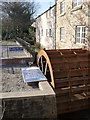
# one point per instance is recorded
(44, 6)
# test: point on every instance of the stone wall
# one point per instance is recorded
(30, 107)
(40, 104)
(72, 17)
(16, 60)
(45, 22)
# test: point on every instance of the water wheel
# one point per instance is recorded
(67, 71)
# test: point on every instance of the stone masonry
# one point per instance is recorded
(45, 28)
(72, 17)
(40, 104)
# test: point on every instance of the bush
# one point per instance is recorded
(38, 45)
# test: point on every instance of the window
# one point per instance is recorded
(46, 32)
(80, 34)
(62, 33)
(41, 32)
(50, 32)
(46, 14)
(53, 12)
(62, 7)
(50, 12)
(76, 3)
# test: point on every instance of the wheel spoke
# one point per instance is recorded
(41, 64)
(45, 69)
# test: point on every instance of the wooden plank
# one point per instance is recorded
(61, 84)
(74, 97)
(74, 90)
(71, 109)
(54, 53)
(73, 83)
(65, 65)
(58, 81)
(85, 63)
(59, 65)
(67, 50)
(73, 56)
(72, 73)
(72, 104)
(61, 55)
(62, 60)
(63, 99)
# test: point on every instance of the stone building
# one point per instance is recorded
(45, 28)
(72, 24)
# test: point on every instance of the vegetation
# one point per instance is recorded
(30, 48)
(17, 18)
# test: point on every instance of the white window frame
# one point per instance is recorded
(80, 35)
(77, 2)
(62, 33)
(62, 7)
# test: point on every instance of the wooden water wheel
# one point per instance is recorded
(68, 72)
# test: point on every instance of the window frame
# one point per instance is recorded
(77, 3)
(62, 5)
(81, 32)
(62, 28)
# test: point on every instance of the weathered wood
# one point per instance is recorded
(42, 64)
(74, 82)
(69, 75)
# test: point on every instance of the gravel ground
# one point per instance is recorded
(13, 82)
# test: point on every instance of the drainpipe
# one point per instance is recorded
(55, 21)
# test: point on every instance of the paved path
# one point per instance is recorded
(6, 53)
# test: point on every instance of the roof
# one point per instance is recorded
(46, 11)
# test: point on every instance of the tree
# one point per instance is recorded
(17, 17)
